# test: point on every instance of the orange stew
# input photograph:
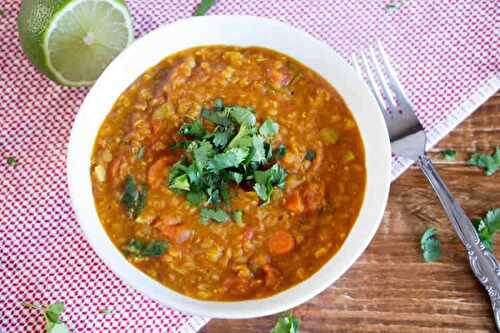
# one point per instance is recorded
(251, 241)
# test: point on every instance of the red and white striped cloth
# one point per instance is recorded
(447, 56)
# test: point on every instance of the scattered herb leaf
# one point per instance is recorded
(269, 128)
(11, 161)
(431, 247)
(490, 163)
(449, 154)
(394, 6)
(106, 311)
(241, 115)
(217, 215)
(138, 248)
(52, 314)
(310, 155)
(488, 226)
(133, 197)
(265, 181)
(287, 323)
(2, 13)
(203, 7)
(279, 152)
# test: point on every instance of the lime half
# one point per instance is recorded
(72, 41)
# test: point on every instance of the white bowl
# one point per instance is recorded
(241, 31)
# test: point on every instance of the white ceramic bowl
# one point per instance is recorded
(241, 31)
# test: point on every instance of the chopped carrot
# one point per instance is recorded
(157, 172)
(294, 203)
(281, 242)
(114, 170)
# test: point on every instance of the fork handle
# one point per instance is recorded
(483, 263)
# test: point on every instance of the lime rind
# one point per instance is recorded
(84, 37)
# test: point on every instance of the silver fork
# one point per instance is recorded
(408, 140)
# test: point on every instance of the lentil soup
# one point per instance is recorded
(228, 173)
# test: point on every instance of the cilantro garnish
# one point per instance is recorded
(217, 215)
(265, 181)
(52, 313)
(279, 152)
(11, 161)
(287, 323)
(236, 150)
(490, 163)
(138, 248)
(449, 154)
(106, 311)
(488, 226)
(394, 5)
(203, 7)
(269, 128)
(134, 197)
(431, 247)
(310, 155)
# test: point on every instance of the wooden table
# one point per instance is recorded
(390, 288)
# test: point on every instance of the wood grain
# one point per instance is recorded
(390, 288)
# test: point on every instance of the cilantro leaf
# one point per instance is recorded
(53, 311)
(220, 139)
(394, 5)
(106, 311)
(217, 215)
(11, 161)
(449, 154)
(218, 104)
(133, 197)
(488, 226)
(279, 152)
(235, 176)
(195, 198)
(202, 152)
(287, 323)
(310, 155)
(194, 130)
(138, 248)
(431, 247)
(242, 115)
(266, 180)
(269, 128)
(203, 7)
(181, 183)
(218, 118)
(490, 163)
(259, 153)
(230, 158)
(52, 314)
(243, 139)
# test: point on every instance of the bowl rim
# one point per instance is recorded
(114, 80)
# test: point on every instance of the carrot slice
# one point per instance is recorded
(157, 172)
(294, 203)
(281, 242)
